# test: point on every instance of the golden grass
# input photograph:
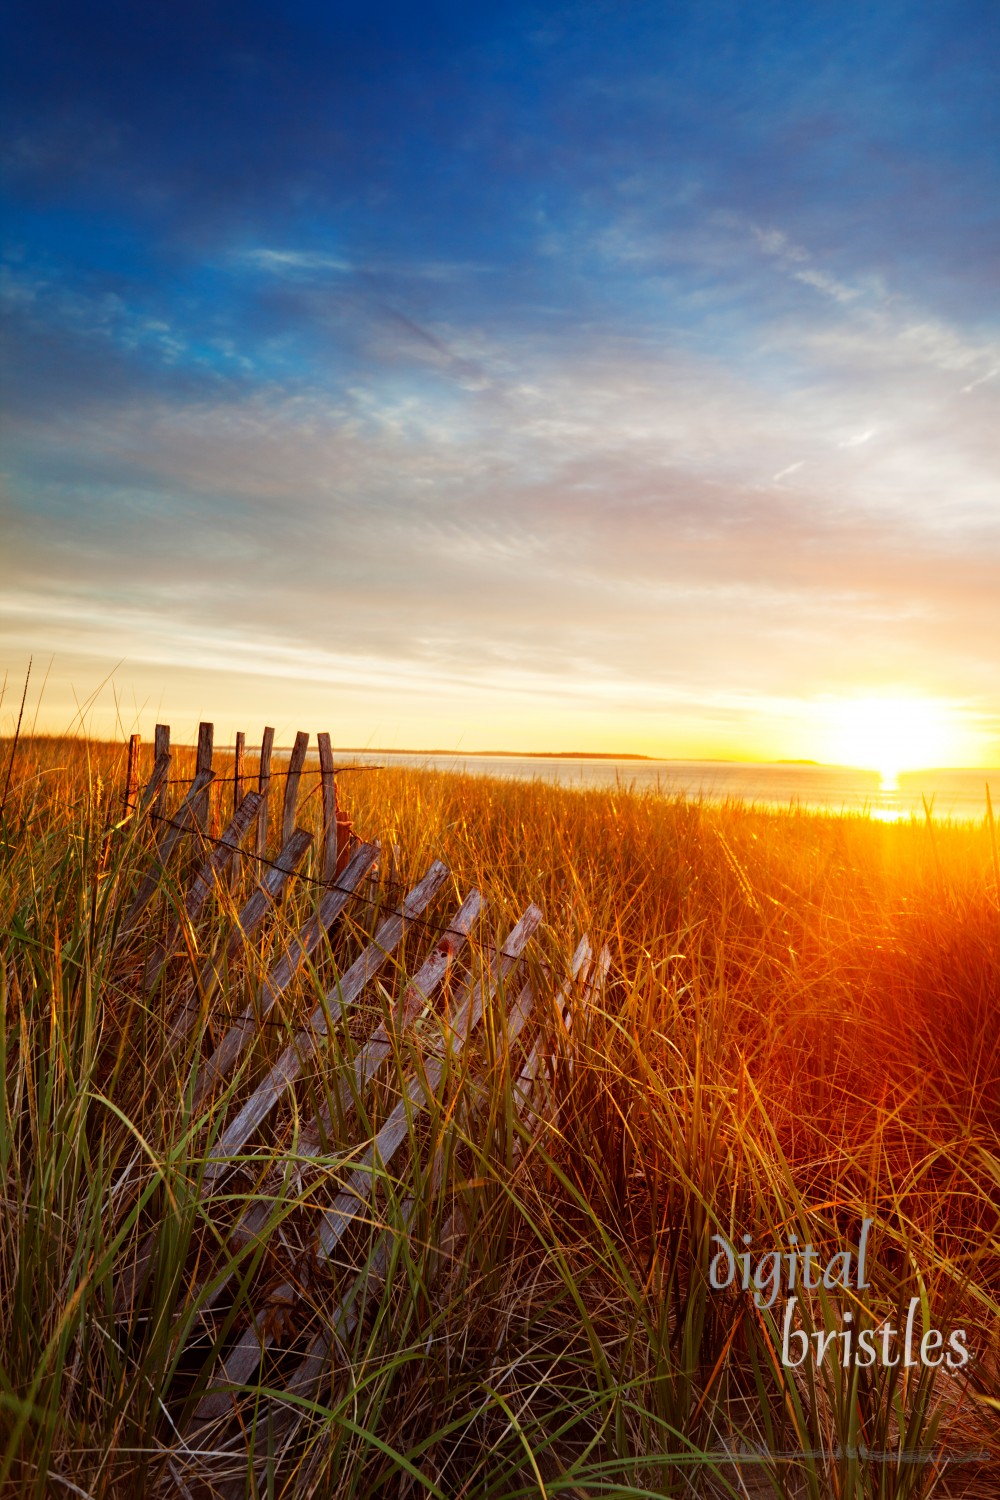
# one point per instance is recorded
(802, 1029)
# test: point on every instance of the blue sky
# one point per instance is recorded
(604, 376)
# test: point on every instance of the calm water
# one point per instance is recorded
(951, 794)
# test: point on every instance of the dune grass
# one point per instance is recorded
(801, 1029)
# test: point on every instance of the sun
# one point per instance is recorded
(890, 734)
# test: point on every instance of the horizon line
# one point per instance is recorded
(599, 755)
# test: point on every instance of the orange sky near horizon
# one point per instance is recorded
(890, 731)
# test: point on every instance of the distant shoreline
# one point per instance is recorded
(507, 754)
(720, 760)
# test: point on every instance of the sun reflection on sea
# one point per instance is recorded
(894, 733)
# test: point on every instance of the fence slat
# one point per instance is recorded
(245, 1355)
(221, 853)
(206, 735)
(414, 999)
(269, 889)
(285, 1413)
(294, 1058)
(161, 747)
(264, 787)
(239, 768)
(296, 761)
(417, 995)
(263, 900)
(335, 1220)
(328, 783)
(533, 1079)
(223, 850)
(227, 1053)
(183, 821)
(155, 791)
(131, 775)
(470, 1012)
(248, 920)
(336, 823)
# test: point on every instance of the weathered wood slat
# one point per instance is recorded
(206, 735)
(161, 748)
(296, 761)
(239, 768)
(245, 1355)
(264, 787)
(274, 877)
(284, 1413)
(419, 991)
(155, 791)
(290, 1064)
(470, 1013)
(308, 1375)
(284, 1416)
(131, 776)
(336, 823)
(578, 981)
(204, 882)
(416, 996)
(263, 900)
(328, 782)
(284, 970)
(223, 850)
(182, 822)
(281, 975)
(532, 1080)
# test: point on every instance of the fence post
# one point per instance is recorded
(132, 774)
(161, 747)
(238, 770)
(206, 735)
(296, 761)
(239, 759)
(263, 786)
(329, 787)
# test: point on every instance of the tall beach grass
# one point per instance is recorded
(800, 1030)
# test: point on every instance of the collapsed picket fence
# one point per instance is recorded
(295, 1104)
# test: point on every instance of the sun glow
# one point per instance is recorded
(894, 734)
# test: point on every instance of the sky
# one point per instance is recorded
(608, 376)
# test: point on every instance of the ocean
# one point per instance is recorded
(956, 793)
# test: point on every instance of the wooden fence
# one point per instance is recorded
(300, 1103)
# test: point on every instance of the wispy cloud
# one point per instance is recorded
(284, 261)
(983, 379)
(829, 285)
